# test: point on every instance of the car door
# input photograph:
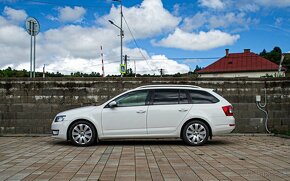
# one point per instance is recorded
(128, 117)
(168, 107)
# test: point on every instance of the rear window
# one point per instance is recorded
(202, 97)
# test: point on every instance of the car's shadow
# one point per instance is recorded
(145, 142)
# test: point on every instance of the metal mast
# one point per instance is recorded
(103, 68)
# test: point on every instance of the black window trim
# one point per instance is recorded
(151, 93)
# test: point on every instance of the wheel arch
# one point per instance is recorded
(198, 119)
(94, 126)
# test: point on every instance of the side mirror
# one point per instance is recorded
(112, 104)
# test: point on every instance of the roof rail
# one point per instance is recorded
(167, 85)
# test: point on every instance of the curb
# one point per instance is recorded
(282, 136)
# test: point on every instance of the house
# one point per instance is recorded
(246, 64)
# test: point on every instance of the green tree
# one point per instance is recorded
(197, 68)
(273, 56)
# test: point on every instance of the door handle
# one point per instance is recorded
(182, 110)
(141, 111)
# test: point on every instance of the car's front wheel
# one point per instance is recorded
(82, 133)
(195, 133)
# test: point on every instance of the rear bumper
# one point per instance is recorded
(225, 128)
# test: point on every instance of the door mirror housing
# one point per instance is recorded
(112, 104)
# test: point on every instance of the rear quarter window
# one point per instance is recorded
(202, 97)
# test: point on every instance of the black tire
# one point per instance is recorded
(195, 133)
(86, 135)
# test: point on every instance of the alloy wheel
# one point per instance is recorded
(82, 134)
(195, 133)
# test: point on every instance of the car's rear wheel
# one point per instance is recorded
(195, 133)
(82, 133)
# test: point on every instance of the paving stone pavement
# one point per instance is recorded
(224, 158)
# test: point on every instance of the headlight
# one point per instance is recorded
(59, 118)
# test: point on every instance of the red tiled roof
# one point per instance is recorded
(240, 62)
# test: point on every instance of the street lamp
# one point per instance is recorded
(121, 30)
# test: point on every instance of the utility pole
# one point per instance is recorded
(121, 30)
(161, 72)
(125, 62)
(135, 68)
(43, 75)
(280, 65)
(103, 68)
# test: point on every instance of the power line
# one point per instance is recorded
(105, 63)
(136, 44)
(183, 58)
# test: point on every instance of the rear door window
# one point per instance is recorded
(169, 96)
(165, 96)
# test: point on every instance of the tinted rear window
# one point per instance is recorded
(202, 97)
(165, 96)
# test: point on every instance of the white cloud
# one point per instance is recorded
(147, 20)
(255, 5)
(73, 48)
(214, 4)
(149, 66)
(271, 3)
(14, 42)
(67, 65)
(75, 41)
(68, 14)
(247, 7)
(205, 20)
(192, 60)
(176, 9)
(231, 20)
(195, 22)
(14, 15)
(278, 21)
(156, 62)
(51, 18)
(197, 41)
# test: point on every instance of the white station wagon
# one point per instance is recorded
(154, 111)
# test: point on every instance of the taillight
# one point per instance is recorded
(228, 110)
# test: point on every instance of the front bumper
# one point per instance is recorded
(59, 130)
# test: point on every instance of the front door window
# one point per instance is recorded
(137, 98)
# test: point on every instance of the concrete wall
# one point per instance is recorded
(28, 106)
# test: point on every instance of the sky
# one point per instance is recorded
(173, 35)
